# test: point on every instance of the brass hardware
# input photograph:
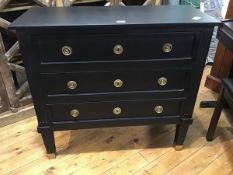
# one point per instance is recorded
(118, 49)
(162, 81)
(158, 109)
(167, 47)
(117, 111)
(72, 85)
(74, 113)
(66, 50)
(178, 147)
(51, 156)
(118, 83)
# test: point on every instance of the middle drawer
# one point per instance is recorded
(127, 80)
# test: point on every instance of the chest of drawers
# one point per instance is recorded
(113, 66)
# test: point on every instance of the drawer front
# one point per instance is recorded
(123, 81)
(114, 47)
(114, 110)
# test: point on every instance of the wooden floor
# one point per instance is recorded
(142, 150)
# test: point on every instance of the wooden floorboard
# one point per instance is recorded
(10, 117)
(144, 150)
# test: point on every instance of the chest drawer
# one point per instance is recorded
(114, 109)
(70, 48)
(119, 81)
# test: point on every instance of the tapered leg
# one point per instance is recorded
(215, 118)
(49, 142)
(181, 131)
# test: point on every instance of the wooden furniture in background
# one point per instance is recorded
(225, 35)
(225, 99)
(11, 97)
(222, 61)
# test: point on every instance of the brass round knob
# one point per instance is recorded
(72, 85)
(116, 111)
(167, 47)
(158, 109)
(118, 83)
(66, 50)
(162, 81)
(118, 49)
(74, 113)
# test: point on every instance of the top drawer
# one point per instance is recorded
(73, 48)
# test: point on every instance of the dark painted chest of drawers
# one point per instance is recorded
(113, 66)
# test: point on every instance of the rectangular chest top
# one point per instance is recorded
(99, 16)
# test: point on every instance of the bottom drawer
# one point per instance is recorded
(114, 109)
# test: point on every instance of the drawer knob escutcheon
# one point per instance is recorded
(118, 49)
(72, 85)
(167, 47)
(74, 113)
(66, 50)
(118, 83)
(158, 109)
(116, 111)
(162, 81)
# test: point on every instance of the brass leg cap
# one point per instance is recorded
(51, 156)
(178, 147)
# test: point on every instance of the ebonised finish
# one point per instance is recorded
(128, 66)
